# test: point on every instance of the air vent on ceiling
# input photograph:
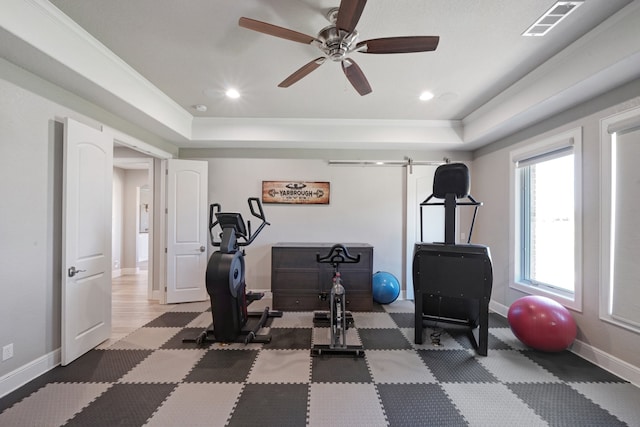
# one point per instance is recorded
(552, 17)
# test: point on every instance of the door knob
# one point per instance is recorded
(72, 271)
(202, 248)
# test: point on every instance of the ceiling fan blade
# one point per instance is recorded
(302, 72)
(274, 30)
(356, 76)
(349, 14)
(399, 44)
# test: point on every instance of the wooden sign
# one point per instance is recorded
(295, 192)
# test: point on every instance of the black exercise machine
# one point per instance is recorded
(225, 280)
(337, 318)
(452, 282)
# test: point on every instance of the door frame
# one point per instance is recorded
(156, 221)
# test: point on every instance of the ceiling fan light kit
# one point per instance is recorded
(340, 39)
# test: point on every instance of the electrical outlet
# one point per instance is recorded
(7, 352)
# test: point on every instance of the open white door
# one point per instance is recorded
(419, 187)
(187, 221)
(86, 254)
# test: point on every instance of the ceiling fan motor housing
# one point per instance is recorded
(336, 43)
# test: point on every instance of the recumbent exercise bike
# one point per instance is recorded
(225, 280)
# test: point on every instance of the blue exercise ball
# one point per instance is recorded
(386, 287)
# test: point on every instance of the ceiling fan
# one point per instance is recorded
(339, 40)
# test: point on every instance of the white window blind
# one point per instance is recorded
(625, 297)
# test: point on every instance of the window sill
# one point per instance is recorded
(628, 326)
(574, 304)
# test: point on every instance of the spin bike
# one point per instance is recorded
(338, 319)
(225, 280)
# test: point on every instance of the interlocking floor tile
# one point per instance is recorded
(204, 321)
(477, 402)
(345, 405)
(397, 366)
(497, 321)
(383, 339)
(197, 405)
(560, 405)
(123, 404)
(196, 307)
(99, 366)
(506, 336)
(289, 338)
(151, 377)
(55, 404)
(443, 341)
(145, 339)
(413, 405)
(403, 320)
(322, 336)
(345, 369)
(164, 366)
(620, 399)
(453, 366)
(172, 320)
(281, 366)
(570, 367)
(262, 405)
(223, 366)
(294, 319)
(364, 320)
(176, 341)
(509, 366)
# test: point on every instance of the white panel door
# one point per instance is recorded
(419, 187)
(187, 222)
(86, 259)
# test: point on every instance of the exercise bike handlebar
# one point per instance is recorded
(338, 255)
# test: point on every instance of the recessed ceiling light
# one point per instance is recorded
(552, 17)
(232, 93)
(425, 96)
(200, 108)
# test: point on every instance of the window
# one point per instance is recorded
(545, 218)
(620, 209)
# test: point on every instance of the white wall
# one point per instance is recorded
(134, 178)
(31, 146)
(491, 185)
(367, 206)
(117, 218)
(30, 229)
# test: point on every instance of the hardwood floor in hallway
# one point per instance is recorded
(130, 306)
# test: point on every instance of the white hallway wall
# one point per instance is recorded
(117, 218)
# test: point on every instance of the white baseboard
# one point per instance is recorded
(19, 377)
(596, 356)
(607, 362)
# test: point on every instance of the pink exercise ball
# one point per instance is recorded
(542, 323)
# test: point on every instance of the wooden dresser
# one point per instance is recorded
(300, 283)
